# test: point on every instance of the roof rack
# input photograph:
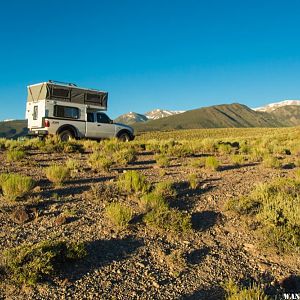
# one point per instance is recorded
(63, 83)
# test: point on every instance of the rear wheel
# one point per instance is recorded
(124, 137)
(65, 135)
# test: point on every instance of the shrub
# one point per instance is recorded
(197, 163)
(271, 162)
(30, 264)
(193, 181)
(237, 159)
(72, 164)
(234, 292)
(212, 163)
(180, 150)
(2, 143)
(133, 182)
(163, 218)
(257, 154)
(297, 175)
(276, 206)
(103, 192)
(165, 189)
(162, 160)
(224, 148)
(15, 155)
(244, 148)
(243, 205)
(15, 186)
(152, 201)
(125, 156)
(119, 214)
(209, 145)
(98, 161)
(57, 174)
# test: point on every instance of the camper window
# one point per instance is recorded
(35, 112)
(92, 97)
(66, 112)
(60, 93)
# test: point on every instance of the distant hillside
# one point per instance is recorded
(218, 116)
(289, 114)
(13, 129)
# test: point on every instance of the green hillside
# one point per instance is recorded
(218, 116)
(290, 114)
(13, 129)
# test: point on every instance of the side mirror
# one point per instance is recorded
(111, 122)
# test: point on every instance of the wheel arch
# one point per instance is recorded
(68, 127)
(124, 131)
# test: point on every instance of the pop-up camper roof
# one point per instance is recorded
(53, 90)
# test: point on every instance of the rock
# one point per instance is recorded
(20, 215)
(37, 189)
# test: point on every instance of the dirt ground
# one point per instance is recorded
(130, 264)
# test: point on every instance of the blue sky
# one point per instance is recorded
(152, 54)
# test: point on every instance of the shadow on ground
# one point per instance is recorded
(234, 167)
(196, 256)
(186, 196)
(101, 253)
(212, 293)
(204, 220)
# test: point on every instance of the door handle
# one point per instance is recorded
(98, 125)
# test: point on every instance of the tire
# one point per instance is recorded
(124, 137)
(65, 135)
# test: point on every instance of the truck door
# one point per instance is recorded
(99, 126)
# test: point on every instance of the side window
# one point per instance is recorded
(66, 112)
(35, 112)
(90, 117)
(102, 118)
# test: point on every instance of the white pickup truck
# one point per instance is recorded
(63, 109)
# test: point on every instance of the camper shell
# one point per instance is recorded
(69, 111)
(67, 92)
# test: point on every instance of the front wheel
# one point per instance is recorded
(65, 136)
(124, 137)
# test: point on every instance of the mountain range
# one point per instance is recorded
(133, 117)
(278, 114)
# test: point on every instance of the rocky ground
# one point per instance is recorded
(131, 264)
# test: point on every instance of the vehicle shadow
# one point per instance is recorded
(100, 254)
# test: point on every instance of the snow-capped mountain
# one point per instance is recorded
(7, 120)
(272, 106)
(130, 118)
(133, 117)
(161, 113)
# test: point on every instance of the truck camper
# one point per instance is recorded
(69, 111)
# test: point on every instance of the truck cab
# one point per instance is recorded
(55, 108)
